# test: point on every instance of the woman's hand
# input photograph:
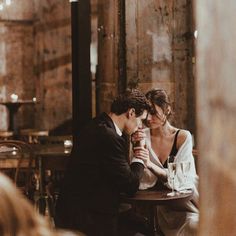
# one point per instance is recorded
(143, 154)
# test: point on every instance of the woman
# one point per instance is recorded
(162, 141)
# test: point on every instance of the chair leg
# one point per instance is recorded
(45, 206)
(40, 205)
(50, 207)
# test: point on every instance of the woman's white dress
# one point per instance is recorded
(179, 219)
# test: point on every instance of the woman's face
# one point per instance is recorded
(156, 118)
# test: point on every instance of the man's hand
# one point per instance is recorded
(137, 137)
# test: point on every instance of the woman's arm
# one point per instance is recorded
(143, 154)
(158, 171)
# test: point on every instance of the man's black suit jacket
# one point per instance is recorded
(97, 174)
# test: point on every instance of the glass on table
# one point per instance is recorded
(185, 168)
(172, 170)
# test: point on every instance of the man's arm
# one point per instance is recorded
(125, 177)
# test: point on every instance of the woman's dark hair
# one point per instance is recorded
(160, 98)
(131, 98)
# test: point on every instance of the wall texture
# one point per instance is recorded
(154, 50)
(16, 60)
(35, 42)
(108, 39)
(53, 63)
(159, 48)
(159, 52)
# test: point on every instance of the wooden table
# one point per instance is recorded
(49, 157)
(12, 109)
(9, 158)
(53, 156)
(151, 199)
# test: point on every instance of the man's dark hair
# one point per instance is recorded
(131, 98)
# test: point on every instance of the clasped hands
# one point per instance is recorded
(139, 147)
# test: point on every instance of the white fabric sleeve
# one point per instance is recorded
(184, 154)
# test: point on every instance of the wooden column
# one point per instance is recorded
(216, 112)
(122, 73)
(109, 54)
(81, 76)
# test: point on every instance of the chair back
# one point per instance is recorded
(5, 135)
(18, 157)
(32, 135)
(24, 134)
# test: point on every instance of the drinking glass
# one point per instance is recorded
(193, 140)
(172, 168)
(185, 169)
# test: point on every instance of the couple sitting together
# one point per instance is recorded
(100, 171)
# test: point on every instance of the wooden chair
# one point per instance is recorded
(24, 134)
(18, 161)
(32, 135)
(5, 135)
(35, 135)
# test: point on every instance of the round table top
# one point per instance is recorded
(17, 102)
(53, 150)
(156, 197)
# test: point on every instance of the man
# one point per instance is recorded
(99, 172)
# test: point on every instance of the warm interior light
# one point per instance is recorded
(8, 2)
(14, 97)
